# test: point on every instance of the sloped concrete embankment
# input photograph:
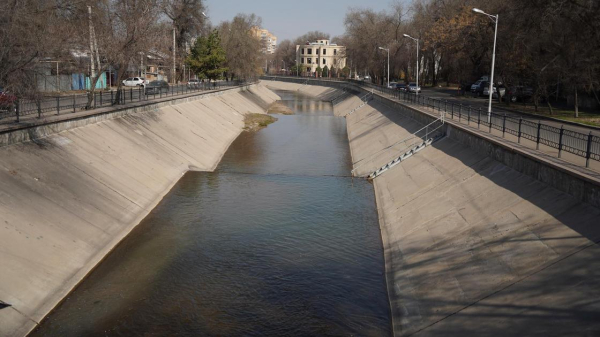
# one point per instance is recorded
(68, 198)
(473, 246)
(342, 96)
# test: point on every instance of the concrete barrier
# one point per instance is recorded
(70, 190)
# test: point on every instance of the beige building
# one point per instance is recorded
(268, 40)
(321, 54)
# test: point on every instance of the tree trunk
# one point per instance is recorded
(550, 107)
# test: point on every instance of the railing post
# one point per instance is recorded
(537, 141)
(460, 115)
(491, 116)
(111, 96)
(588, 153)
(58, 105)
(469, 116)
(73, 103)
(503, 125)
(101, 98)
(519, 136)
(560, 141)
(131, 94)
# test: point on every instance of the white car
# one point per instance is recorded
(486, 92)
(412, 87)
(135, 82)
(194, 83)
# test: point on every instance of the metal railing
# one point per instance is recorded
(56, 105)
(564, 140)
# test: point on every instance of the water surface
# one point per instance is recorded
(278, 241)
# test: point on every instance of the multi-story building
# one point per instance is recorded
(268, 40)
(322, 54)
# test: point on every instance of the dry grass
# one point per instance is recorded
(255, 122)
(588, 118)
(278, 108)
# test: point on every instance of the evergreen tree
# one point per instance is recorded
(207, 58)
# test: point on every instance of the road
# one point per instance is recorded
(451, 95)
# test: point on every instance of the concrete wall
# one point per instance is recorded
(71, 190)
(479, 237)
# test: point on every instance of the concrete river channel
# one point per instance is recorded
(278, 241)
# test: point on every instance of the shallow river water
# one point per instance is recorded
(278, 241)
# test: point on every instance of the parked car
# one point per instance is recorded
(478, 87)
(134, 82)
(156, 87)
(392, 85)
(367, 78)
(519, 93)
(195, 83)
(475, 85)
(412, 87)
(501, 88)
(401, 87)
(7, 100)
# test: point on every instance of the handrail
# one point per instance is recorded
(584, 145)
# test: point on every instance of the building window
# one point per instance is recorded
(309, 51)
(303, 60)
(334, 61)
(324, 51)
(308, 69)
(324, 61)
(317, 51)
(309, 60)
(335, 52)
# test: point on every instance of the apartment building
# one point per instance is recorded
(268, 40)
(321, 53)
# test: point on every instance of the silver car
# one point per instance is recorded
(412, 87)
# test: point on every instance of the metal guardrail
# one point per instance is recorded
(56, 105)
(564, 140)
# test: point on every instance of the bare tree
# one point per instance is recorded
(243, 50)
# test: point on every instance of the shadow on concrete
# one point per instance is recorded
(527, 265)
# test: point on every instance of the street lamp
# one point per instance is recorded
(388, 72)
(417, 40)
(494, 18)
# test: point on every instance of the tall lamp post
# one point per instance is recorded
(284, 70)
(388, 70)
(417, 40)
(494, 18)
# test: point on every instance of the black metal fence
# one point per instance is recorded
(586, 145)
(57, 105)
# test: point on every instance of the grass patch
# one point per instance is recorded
(587, 118)
(255, 122)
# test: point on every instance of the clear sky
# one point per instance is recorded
(288, 19)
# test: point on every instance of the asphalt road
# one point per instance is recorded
(451, 95)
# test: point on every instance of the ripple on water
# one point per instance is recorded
(275, 242)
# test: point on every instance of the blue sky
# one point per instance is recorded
(288, 19)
